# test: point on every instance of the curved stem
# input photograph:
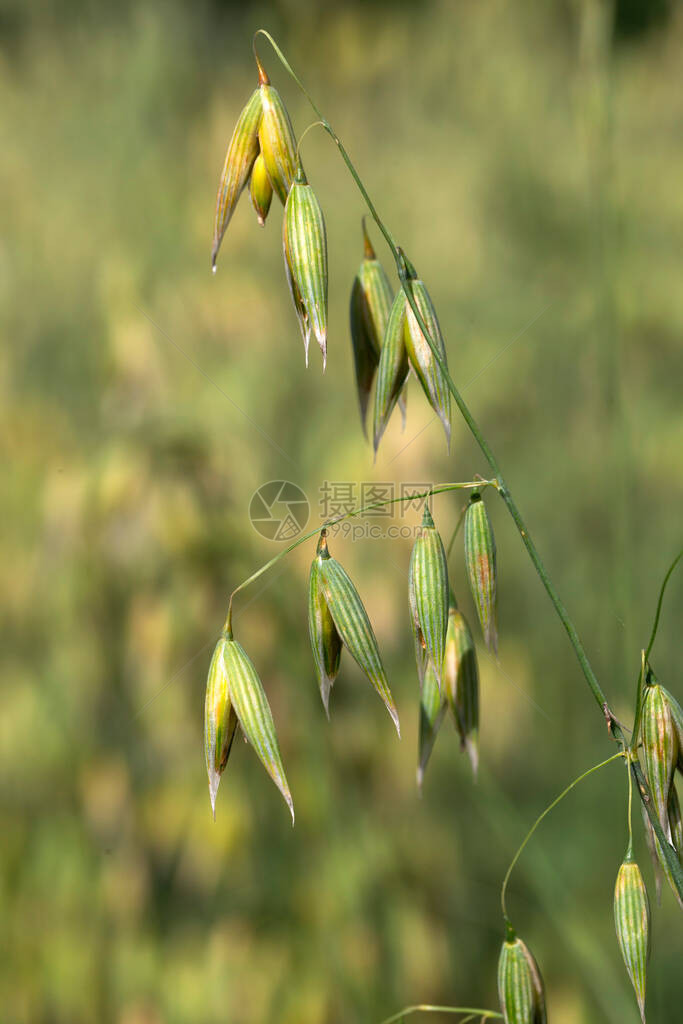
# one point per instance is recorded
(333, 135)
(314, 124)
(405, 272)
(427, 1008)
(441, 489)
(655, 624)
(538, 821)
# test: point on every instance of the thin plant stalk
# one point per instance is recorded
(428, 1008)
(456, 530)
(549, 808)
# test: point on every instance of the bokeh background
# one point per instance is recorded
(529, 157)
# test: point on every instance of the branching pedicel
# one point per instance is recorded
(392, 337)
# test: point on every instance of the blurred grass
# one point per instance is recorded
(532, 170)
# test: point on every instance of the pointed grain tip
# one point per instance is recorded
(394, 715)
(213, 790)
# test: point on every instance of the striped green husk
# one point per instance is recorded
(371, 300)
(305, 250)
(421, 357)
(418, 639)
(260, 189)
(242, 152)
(428, 590)
(432, 710)
(278, 145)
(392, 371)
(632, 923)
(220, 721)
(325, 640)
(677, 719)
(480, 560)
(353, 626)
(520, 986)
(660, 750)
(253, 711)
(461, 679)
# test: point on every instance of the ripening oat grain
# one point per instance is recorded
(220, 721)
(325, 640)
(421, 357)
(520, 986)
(392, 371)
(461, 679)
(243, 150)
(276, 140)
(480, 560)
(660, 750)
(352, 623)
(235, 694)
(428, 593)
(261, 190)
(371, 300)
(632, 923)
(304, 243)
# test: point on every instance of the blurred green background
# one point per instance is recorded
(529, 157)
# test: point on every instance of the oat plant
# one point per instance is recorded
(395, 333)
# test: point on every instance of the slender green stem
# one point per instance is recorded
(441, 489)
(427, 1008)
(456, 530)
(405, 273)
(540, 818)
(630, 805)
(658, 612)
(314, 124)
(639, 702)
